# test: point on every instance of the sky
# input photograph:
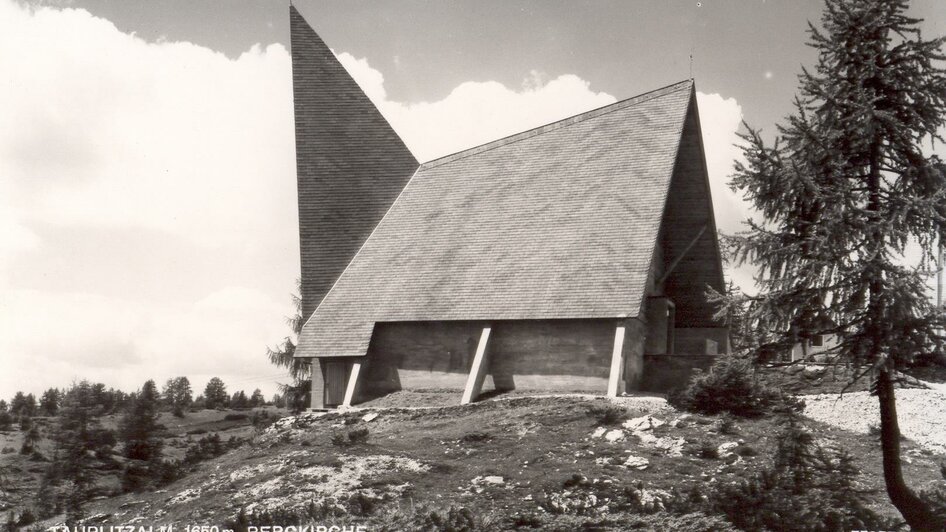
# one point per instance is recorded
(148, 224)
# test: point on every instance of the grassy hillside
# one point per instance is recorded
(550, 463)
(20, 474)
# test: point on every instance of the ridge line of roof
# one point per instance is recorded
(558, 124)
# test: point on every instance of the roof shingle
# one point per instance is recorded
(350, 164)
(553, 223)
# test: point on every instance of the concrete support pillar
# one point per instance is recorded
(352, 384)
(616, 378)
(474, 382)
(634, 355)
(318, 386)
(504, 382)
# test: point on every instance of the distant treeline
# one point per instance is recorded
(176, 395)
(65, 429)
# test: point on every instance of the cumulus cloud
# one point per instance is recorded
(475, 112)
(720, 119)
(147, 203)
(147, 194)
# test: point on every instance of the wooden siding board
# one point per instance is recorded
(689, 208)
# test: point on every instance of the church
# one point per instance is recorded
(573, 257)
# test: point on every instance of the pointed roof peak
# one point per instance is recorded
(687, 84)
(350, 163)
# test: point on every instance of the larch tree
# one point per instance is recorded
(79, 439)
(177, 392)
(257, 398)
(49, 402)
(215, 394)
(23, 405)
(139, 426)
(299, 369)
(853, 208)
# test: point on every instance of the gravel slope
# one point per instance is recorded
(921, 413)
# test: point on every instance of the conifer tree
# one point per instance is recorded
(49, 402)
(300, 369)
(45, 500)
(845, 188)
(215, 393)
(177, 392)
(102, 398)
(79, 437)
(139, 426)
(239, 400)
(30, 439)
(257, 399)
(282, 355)
(23, 405)
(183, 394)
(278, 401)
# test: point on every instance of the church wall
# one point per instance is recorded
(540, 355)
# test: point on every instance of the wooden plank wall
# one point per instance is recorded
(689, 208)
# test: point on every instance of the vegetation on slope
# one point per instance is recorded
(532, 463)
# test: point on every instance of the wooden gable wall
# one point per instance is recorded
(689, 209)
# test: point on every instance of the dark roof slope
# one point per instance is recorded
(557, 222)
(350, 164)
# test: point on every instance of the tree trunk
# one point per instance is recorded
(914, 510)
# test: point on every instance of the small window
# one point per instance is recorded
(817, 340)
(671, 318)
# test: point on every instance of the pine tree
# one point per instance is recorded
(278, 401)
(167, 393)
(121, 400)
(215, 393)
(30, 439)
(183, 394)
(79, 438)
(49, 402)
(102, 398)
(45, 500)
(139, 426)
(257, 398)
(843, 190)
(23, 405)
(177, 392)
(300, 369)
(199, 403)
(239, 400)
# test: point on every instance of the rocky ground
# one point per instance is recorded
(921, 414)
(551, 462)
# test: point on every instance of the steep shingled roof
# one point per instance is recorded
(553, 223)
(350, 164)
